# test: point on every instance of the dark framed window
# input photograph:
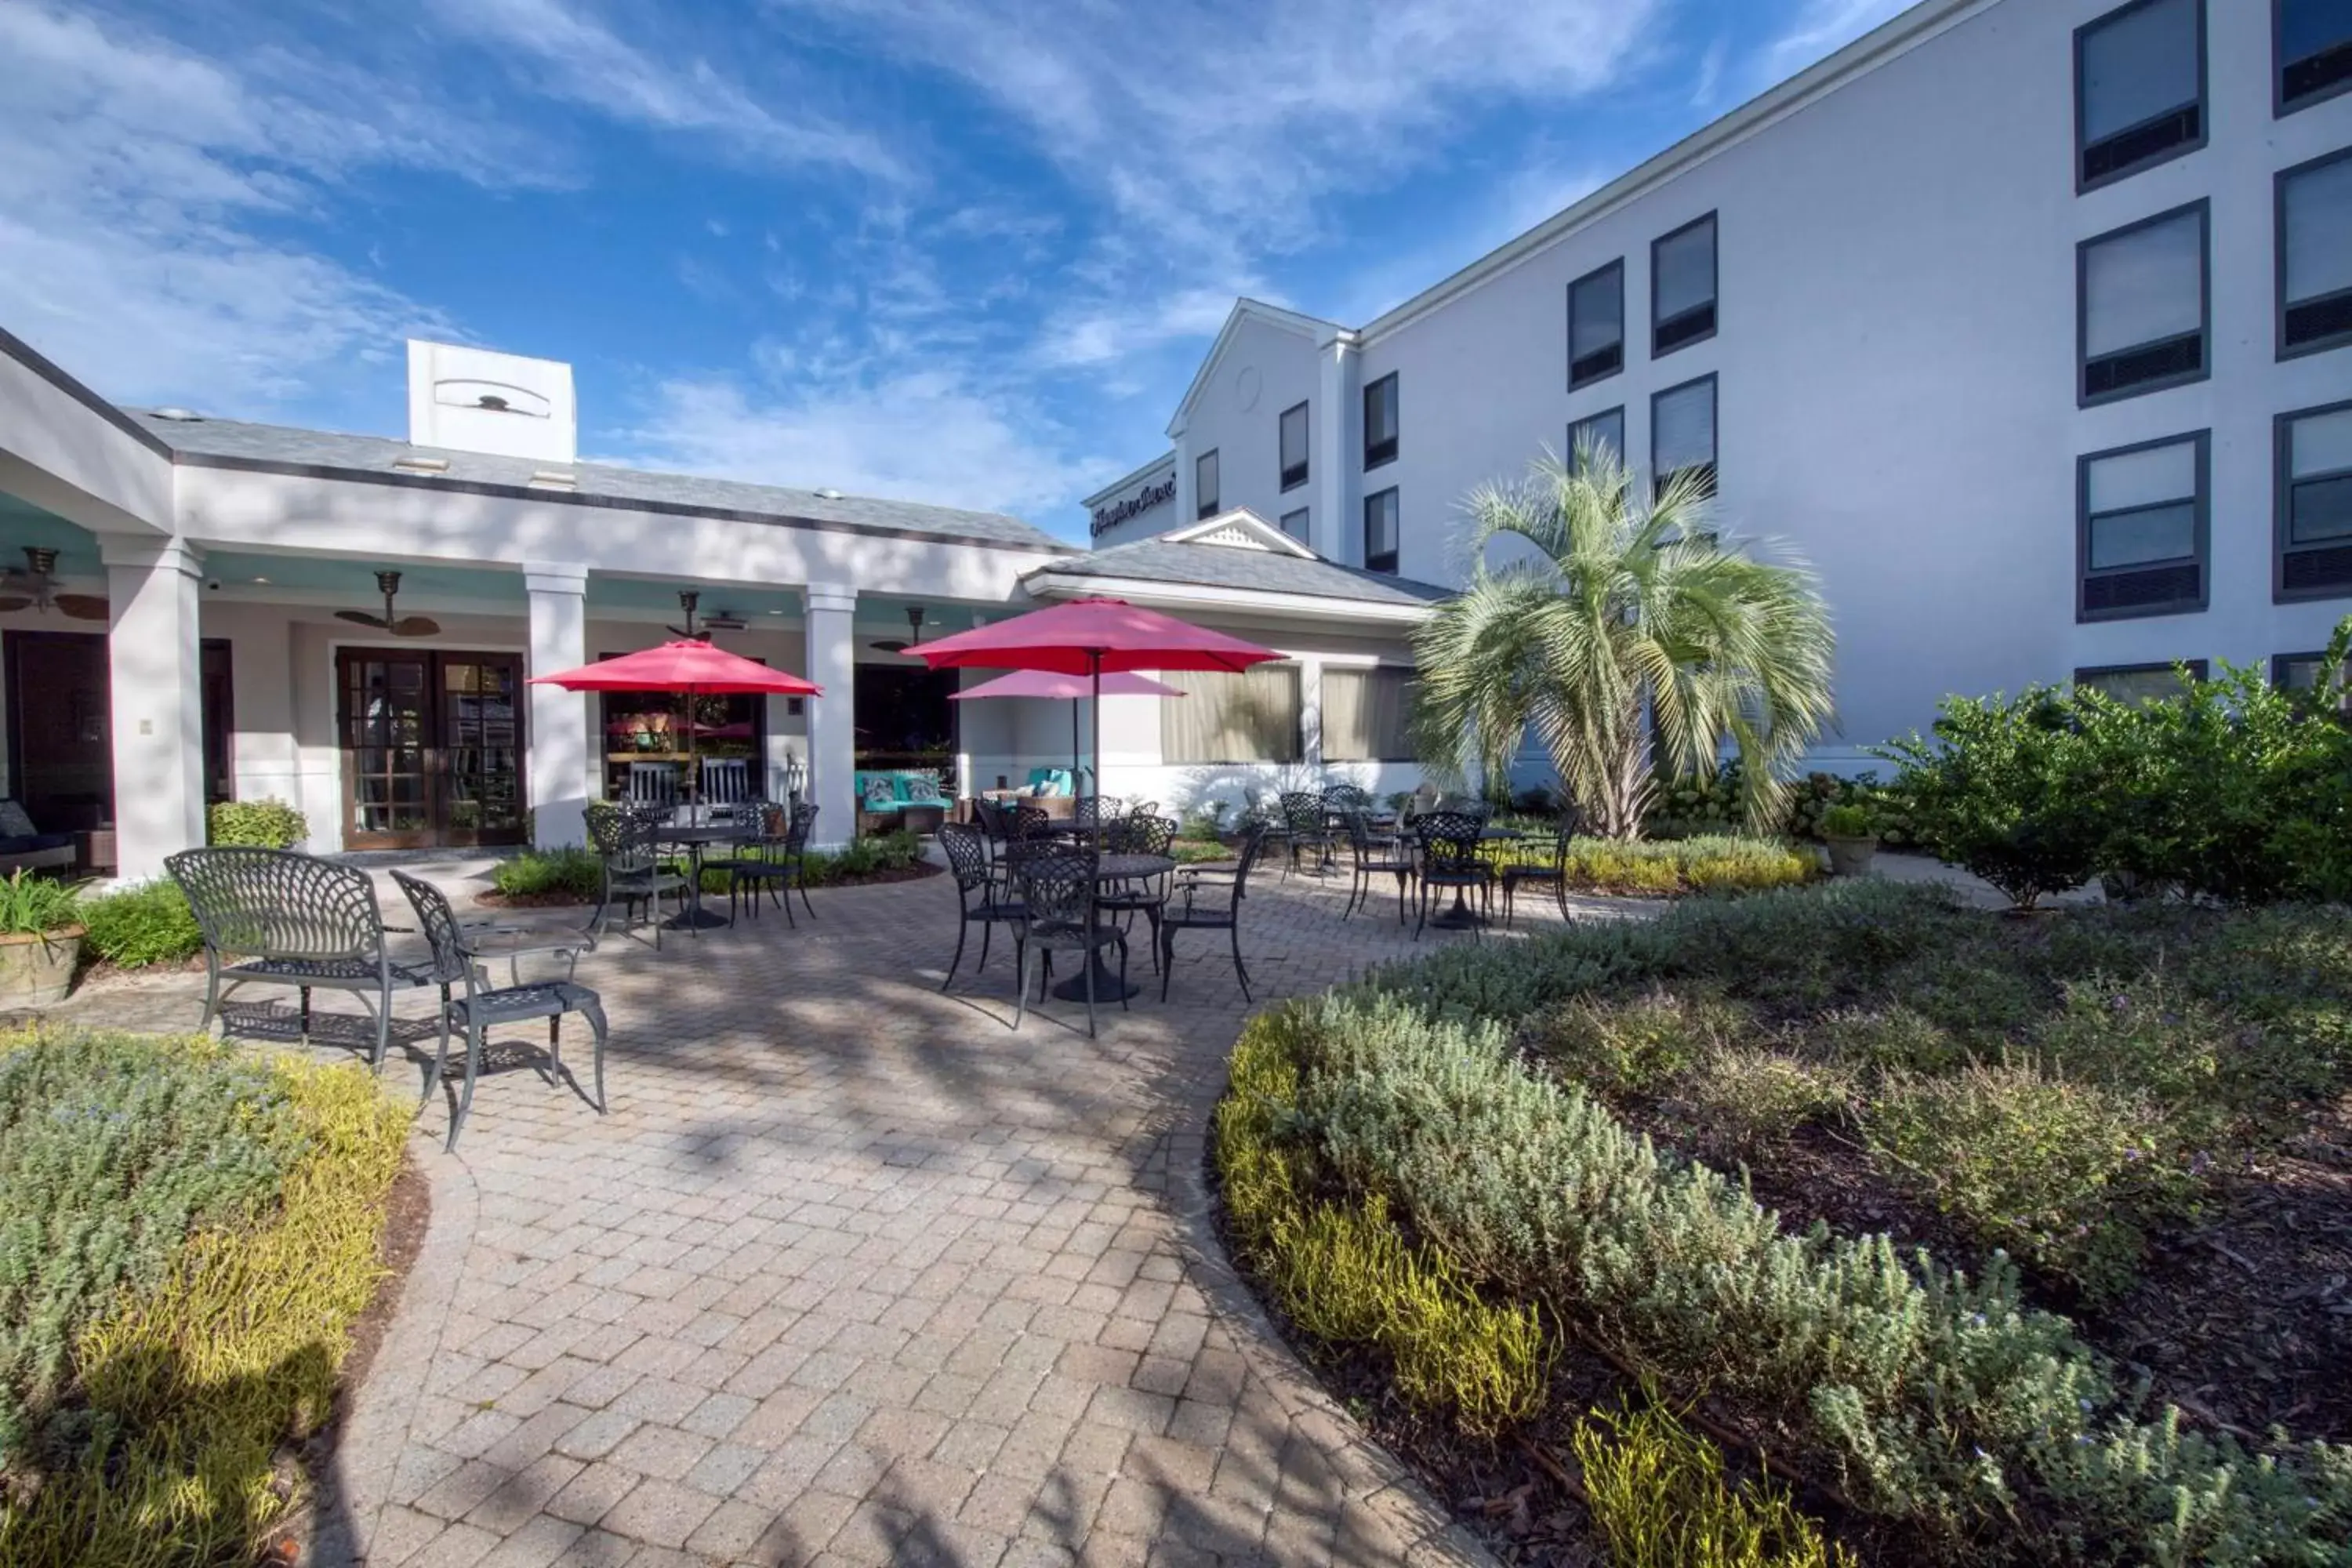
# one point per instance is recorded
(2313, 482)
(2144, 306)
(2139, 682)
(2315, 256)
(1204, 484)
(2296, 671)
(1606, 428)
(1682, 287)
(1681, 432)
(1291, 431)
(1366, 714)
(1294, 524)
(2310, 45)
(1596, 325)
(1380, 530)
(1381, 421)
(2139, 88)
(2140, 537)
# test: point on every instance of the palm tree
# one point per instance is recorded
(1622, 608)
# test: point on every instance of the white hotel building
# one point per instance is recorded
(2028, 322)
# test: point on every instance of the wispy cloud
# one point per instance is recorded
(1820, 28)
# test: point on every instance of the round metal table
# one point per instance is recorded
(1113, 869)
(694, 840)
(1462, 917)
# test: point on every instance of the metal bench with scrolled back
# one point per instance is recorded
(295, 920)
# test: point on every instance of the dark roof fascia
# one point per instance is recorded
(32, 359)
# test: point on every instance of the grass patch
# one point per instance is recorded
(140, 926)
(188, 1236)
(1661, 1500)
(1662, 867)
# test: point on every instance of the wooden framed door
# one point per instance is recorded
(432, 747)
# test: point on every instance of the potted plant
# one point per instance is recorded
(1852, 842)
(40, 940)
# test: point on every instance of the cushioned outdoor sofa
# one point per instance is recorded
(25, 847)
(900, 797)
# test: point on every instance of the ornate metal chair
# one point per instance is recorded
(1375, 855)
(626, 839)
(482, 1006)
(1203, 900)
(1451, 860)
(1059, 914)
(296, 920)
(978, 896)
(1307, 826)
(1139, 834)
(780, 862)
(1541, 862)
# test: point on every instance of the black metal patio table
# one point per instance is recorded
(1462, 917)
(1113, 869)
(694, 838)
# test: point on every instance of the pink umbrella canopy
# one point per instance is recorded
(687, 665)
(1093, 637)
(1056, 686)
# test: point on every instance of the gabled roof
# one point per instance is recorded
(370, 459)
(1313, 329)
(1241, 553)
(1131, 478)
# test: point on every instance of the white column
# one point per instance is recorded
(1335, 455)
(562, 772)
(832, 725)
(155, 663)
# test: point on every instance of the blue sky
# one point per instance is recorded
(967, 251)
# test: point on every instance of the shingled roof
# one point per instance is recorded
(1207, 555)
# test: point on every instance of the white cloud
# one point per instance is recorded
(1821, 28)
(578, 58)
(932, 435)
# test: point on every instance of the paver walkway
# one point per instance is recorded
(854, 1274)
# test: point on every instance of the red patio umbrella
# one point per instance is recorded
(688, 666)
(1070, 689)
(1093, 637)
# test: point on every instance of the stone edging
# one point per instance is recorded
(1371, 1476)
(385, 1407)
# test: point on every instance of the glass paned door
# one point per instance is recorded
(432, 748)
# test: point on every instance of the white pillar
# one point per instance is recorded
(1336, 457)
(562, 772)
(832, 725)
(155, 667)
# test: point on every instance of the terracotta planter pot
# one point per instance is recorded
(37, 970)
(1851, 857)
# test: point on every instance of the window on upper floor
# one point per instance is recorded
(2315, 256)
(2313, 41)
(1381, 421)
(2314, 486)
(2144, 306)
(2139, 88)
(1682, 434)
(1204, 484)
(2140, 535)
(1294, 524)
(1596, 433)
(1596, 325)
(1380, 530)
(1292, 428)
(1682, 287)
(2139, 682)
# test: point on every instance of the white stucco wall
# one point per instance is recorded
(1265, 369)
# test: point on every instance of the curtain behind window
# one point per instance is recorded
(1249, 717)
(1364, 715)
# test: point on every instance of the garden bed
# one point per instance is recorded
(2145, 1109)
(189, 1235)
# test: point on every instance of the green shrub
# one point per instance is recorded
(32, 905)
(1847, 822)
(1657, 867)
(258, 824)
(2002, 791)
(1931, 1398)
(1660, 1500)
(1639, 1045)
(150, 924)
(570, 870)
(2063, 1174)
(248, 1251)
(1744, 1100)
(891, 851)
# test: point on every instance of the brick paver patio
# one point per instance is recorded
(854, 1274)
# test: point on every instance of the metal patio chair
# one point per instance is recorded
(1451, 860)
(1203, 900)
(1375, 855)
(1306, 826)
(628, 842)
(1139, 834)
(1541, 862)
(295, 920)
(975, 879)
(1059, 915)
(778, 863)
(483, 1006)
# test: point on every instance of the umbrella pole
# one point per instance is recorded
(693, 770)
(1078, 751)
(1093, 660)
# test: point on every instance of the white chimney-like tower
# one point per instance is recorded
(473, 400)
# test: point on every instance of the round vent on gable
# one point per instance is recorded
(179, 416)
(1247, 385)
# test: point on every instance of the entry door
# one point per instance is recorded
(432, 748)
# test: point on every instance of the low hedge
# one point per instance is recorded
(1927, 1398)
(186, 1236)
(258, 824)
(140, 926)
(1658, 867)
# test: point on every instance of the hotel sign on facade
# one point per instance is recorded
(1140, 494)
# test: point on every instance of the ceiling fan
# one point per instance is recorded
(30, 586)
(391, 621)
(716, 620)
(914, 627)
